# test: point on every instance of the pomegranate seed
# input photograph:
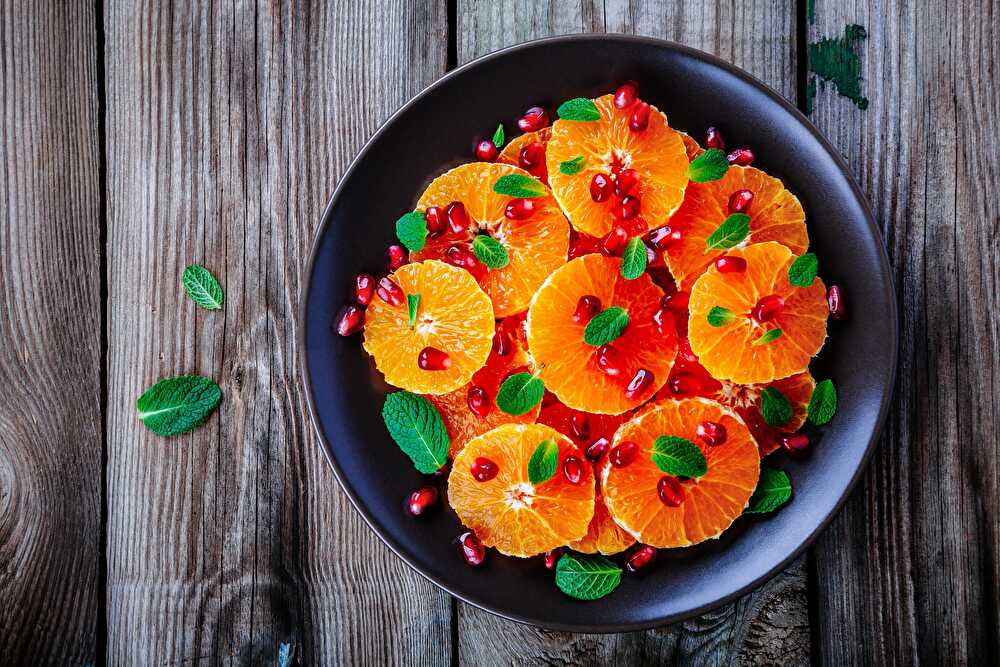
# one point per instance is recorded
(579, 425)
(473, 552)
(639, 120)
(739, 201)
(741, 156)
(588, 306)
(627, 208)
(486, 151)
(501, 343)
(483, 469)
(613, 243)
(664, 237)
(711, 433)
(390, 292)
(532, 157)
(686, 384)
(597, 449)
(638, 384)
(533, 120)
(519, 209)
(768, 308)
(643, 556)
(601, 187)
(795, 442)
(626, 182)
(626, 95)
(458, 217)
(670, 491)
(730, 264)
(676, 302)
(623, 454)
(572, 470)
(654, 260)
(364, 288)
(478, 400)
(463, 257)
(552, 557)
(663, 320)
(713, 139)
(433, 359)
(609, 360)
(835, 300)
(437, 222)
(350, 319)
(395, 257)
(583, 245)
(684, 350)
(422, 500)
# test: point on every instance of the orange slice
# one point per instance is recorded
(511, 153)
(736, 351)
(454, 316)
(603, 534)
(509, 512)
(711, 502)
(657, 155)
(535, 246)
(569, 366)
(691, 146)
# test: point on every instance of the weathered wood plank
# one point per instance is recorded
(228, 125)
(50, 333)
(908, 571)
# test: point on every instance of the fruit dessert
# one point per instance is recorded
(598, 331)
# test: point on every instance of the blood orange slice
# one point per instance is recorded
(531, 160)
(603, 534)
(583, 428)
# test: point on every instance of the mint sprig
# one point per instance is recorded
(520, 393)
(411, 230)
(822, 403)
(634, 259)
(768, 336)
(678, 457)
(587, 577)
(202, 287)
(416, 426)
(518, 185)
(802, 271)
(730, 233)
(543, 462)
(579, 109)
(773, 490)
(709, 166)
(719, 316)
(774, 407)
(498, 136)
(490, 252)
(572, 166)
(179, 404)
(606, 326)
(412, 304)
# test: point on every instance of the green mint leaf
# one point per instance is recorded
(823, 403)
(416, 426)
(634, 259)
(573, 166)
(606, 326)
(803, 270)
(773, 490)
(286, 654)
(768, 336)
(678, 457)
(179, 404)
(720, 316)
(709, 166)
(411, 230)
(490, 252)
(543, 462)
(587, 577)
(518, 185)
(202, 287)
(730, 233)
(498, 136)
(774, 407)
(520, 393)
(579, 108)
(412, 304)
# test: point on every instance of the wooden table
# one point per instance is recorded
(139, 137)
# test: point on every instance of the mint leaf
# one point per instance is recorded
(179, 404)
(634, 259)
(774, 407)
(520, 393)
(573, 166)
(767, 337)
(498, 136)
(587, 577)
(823, 403)
(720, 316)
(412, 304)
(416, 426)
(518, 185)
(579, 108)
(678, 457)
(606, 326)
(803, 270)
(490, 252)
(543, 462)
(730, 233)
(202, 287)
(709, 166)
(411, 230)
(773, 490)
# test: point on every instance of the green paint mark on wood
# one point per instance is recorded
(811, 11)
(835, 61)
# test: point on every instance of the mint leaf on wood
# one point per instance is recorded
(490, 252)
(678, 457)
(767, 337)
(634, 259)
(823, 403)
(519, 393)
(498, 136)
(803, 270)
(720, 316)
(572, 166)
(709, 166)
(179, 404)
(579, 109)
(774, 407)
(733, 231)
(411, 230)
(412, 304)
(606, 326)
(587, 577)
(416, 426)
(773, 490)
(543, 462)
(518, 185)
(202, 287)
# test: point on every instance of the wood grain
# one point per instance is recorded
(50, 334)
(908, 573)
(228, 125)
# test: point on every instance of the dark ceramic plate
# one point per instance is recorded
(434, 132)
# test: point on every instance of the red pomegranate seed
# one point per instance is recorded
(643, 556)
(601, 187)
(713, 139)
(390, 292)
(463, 257)
(626, 182)
(486, 151)
(613, 243)
(626, 95)
(532, 156)
(640, 381)
(654, 259)
(663, 320)
(686, 384)
(501, 343)
(422, 500)
(458, 217)
(623, 454)
(533, 120)
(473, 552)
(835, 300)
(768, 308)
(588, 306)
(433, 359)
(741, 156)
(364, 288)
(519, 209)
(627, 208)
(739, 201)
(639, 120)
(478, 400)
(572, 470)
(676, 302)
(684, 350)
(552, 557)
(711, 433)
(664, 237)
(609, 360)
(597, 449)
(395, 257)
(583, 245)
(730, 264)
(579, 425)
(795, 442)
(350, 319)
(483, 469)
(670, 491)
(437, 221)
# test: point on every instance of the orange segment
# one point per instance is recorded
(775, 215)
(511, 153)
(603, 534)
(509, 512)
(657, 154)
(535, 246)
(711, 502)
(569, 365)
(454, 316)
(691, 146)
(728, 352)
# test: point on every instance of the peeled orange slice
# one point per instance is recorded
(511, 513)
(691, 146)
(453, 316)
(512, 153)
(603, 536)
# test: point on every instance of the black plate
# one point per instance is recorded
(436, 131)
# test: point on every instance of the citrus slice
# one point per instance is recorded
(775, 215)
(535, 245)
(583, 428)
(607, 146)
(569, 365)
(603, 536)
(513, 153)
(511, 513)
(741, 348)
(691, 146)
(709, 503)
(453, 316)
